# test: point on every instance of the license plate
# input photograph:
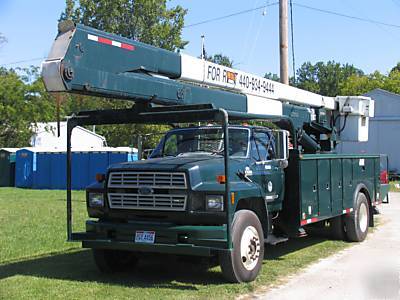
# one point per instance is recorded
(147, 237)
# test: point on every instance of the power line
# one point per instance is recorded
(347, 16)
(292, 35)
(230, 15)
(22, 61)
(359, 12)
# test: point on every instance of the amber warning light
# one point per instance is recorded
(221, 179)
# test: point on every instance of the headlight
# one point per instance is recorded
(96, 199)
(215, 202)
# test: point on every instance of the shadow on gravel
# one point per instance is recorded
(161, 271)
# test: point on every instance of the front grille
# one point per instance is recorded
(149, 179)
(163, 191)
(147, 202)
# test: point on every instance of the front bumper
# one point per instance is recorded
(169, 238)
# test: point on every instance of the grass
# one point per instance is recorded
(37, 263)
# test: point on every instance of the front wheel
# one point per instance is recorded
(357, 222)
(244, 262)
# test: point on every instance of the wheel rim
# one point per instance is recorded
(363, 217)
(250, 247)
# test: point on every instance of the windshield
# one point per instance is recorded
(206, 140)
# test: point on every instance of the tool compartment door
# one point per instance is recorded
(336, 186)
(309, 188)
(324, 187)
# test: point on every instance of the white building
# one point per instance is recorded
(384, 129)
(46, 137)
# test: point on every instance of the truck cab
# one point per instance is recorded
(175, 198)
(183, 182)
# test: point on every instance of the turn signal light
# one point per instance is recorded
(221, 179)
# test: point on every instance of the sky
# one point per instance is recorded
(251, 40)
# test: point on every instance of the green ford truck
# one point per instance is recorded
(221, 191)
(174, 202)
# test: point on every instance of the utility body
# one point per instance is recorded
(222, 190)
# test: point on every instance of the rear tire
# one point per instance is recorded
(111, 261)
(357, 222)
(244, 262)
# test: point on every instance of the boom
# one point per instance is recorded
(88, 61)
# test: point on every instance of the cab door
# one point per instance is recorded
(271, 174)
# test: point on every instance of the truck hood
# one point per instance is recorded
(173, 163)
(201, 168)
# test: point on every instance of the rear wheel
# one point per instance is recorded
(244, 262)
(357, 222)
(110, 261)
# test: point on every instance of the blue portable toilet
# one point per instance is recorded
(33, 168)
(58, 171)
(41, 168)
(80, 170)
(24, 168)
(42, 172)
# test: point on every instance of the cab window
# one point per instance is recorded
(264, 145)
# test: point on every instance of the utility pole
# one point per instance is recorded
(283, 41)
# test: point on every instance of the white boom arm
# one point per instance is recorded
(205, 72)
(267, 96)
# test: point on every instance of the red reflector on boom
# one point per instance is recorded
(110, 42)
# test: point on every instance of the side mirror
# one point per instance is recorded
(281, 144)
(283, 163)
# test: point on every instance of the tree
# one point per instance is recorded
(361, 84)
(396, 68)
(272, 76)
(325, 78)
(147, 21)
(220, 59)
(23, 102)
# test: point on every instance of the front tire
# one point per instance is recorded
(244, 262)
(357, 222)
(111, 261)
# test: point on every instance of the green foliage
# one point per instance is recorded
(23, 102)
(272, 76)
(325, 78)
(220, 59)
(361, 84)
(396, 68)
(148, 21)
